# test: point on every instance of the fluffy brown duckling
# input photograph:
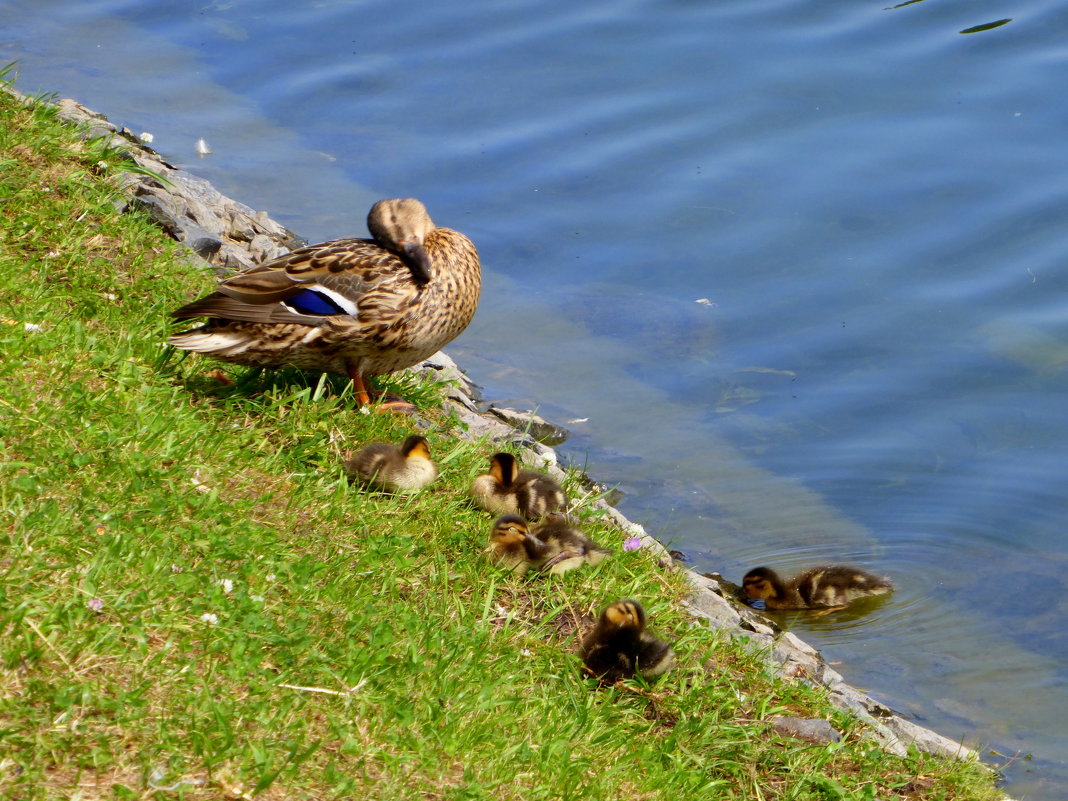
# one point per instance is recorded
(569, 546)
(398, 468)
(619, 646)
(506, 489)
(827, 587)
(514, 548)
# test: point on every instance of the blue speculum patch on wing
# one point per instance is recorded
(311, 302)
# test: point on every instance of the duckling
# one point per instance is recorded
(827, 587)
(398, 468)
(357, 307)
(514, 548)
(508, 490)
(570, 547)
(619, 646)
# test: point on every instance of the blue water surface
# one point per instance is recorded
(790, 271)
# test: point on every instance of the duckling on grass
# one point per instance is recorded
(514, 548)
(508, 490)
(829, 587)
(570, 547)
(397, 468)
(619, 646)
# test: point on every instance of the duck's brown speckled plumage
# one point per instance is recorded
(402, 296)
(507, 489)
(513, 547)
(619, 646)
(570, 548)
(396, 468)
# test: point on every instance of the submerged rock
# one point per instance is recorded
(533, 424)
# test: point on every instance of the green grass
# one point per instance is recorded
(195, 603)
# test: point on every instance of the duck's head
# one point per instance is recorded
(400, 225)
(415, 447)
(760, 583)
(502, 468)
(624, 615)
(509, 531)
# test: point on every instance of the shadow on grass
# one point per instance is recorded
(229, 385)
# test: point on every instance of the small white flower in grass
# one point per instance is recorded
(525, 652)
(227, 585)
(270, 577)
(33, 327)
(257, 598)
(632, 543)
(210, 618)
(96, 604)
(101, 165)
(196, 482)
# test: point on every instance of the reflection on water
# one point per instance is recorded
(797, 269)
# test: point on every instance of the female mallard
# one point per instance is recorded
(356, 307)
(619, 645)
(828, 587)
(508, 490)
(397, 468)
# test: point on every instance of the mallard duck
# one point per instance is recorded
(356, 307)
(399, 468)
(824, 587)
(619, 645)
(514, 548)
(508, 490)
(570, 547)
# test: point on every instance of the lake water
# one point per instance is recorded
(797, 268)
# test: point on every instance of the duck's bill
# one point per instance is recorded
(418, 261)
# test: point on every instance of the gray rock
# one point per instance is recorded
(813, 730)
(235, 258)
(158, 210)
(537, 426)
(203, 243)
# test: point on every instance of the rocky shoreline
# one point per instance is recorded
(228, 235)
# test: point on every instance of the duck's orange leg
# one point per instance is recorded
(359, 388)
(389, 403)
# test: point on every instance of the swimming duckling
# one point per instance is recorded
(508, 490)
(398, 468)
(619, 646)
(830, 586)
(570, 547)
(514, 548)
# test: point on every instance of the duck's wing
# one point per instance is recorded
(309, 286)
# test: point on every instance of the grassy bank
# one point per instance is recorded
(194, 602)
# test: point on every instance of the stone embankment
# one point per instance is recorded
(231, 236)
